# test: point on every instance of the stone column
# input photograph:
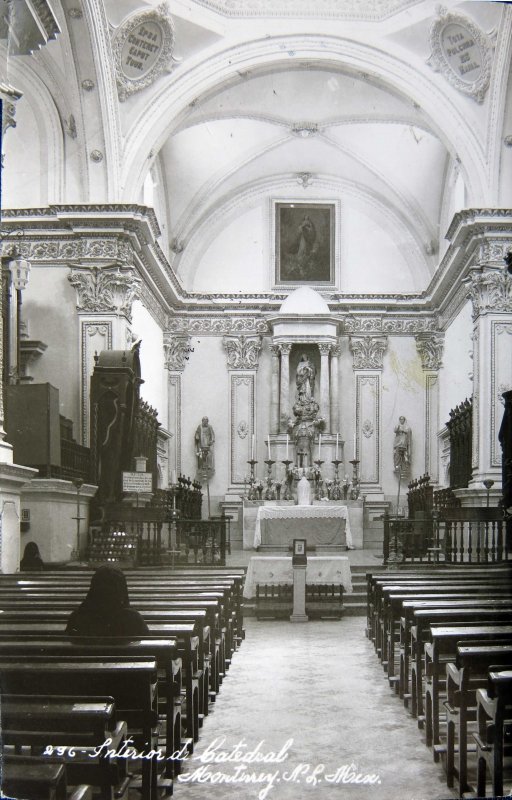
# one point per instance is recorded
(490, 290)
(274, 389)
(285, 348)
(324, 382)
(430, 349)
(335, 405)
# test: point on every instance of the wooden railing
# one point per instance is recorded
(458, 536)
(202, 541)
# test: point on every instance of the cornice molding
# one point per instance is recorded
(374, 10)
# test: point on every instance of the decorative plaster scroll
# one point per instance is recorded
(242, 404)
(105, 290)
(501, 380)
(242, 351)
(176, 351)
(490, 291)
(390, 324)
(430, 349)
(368, 351)
(214, 326)
(77, 248)
(367, 428)
(461, 51)
(142, 49)
(9, 97)
(95, 336)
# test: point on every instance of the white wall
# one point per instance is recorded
(154, 374)
(455, 376)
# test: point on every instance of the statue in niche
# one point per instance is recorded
(402, 446)
(302, 435)
(305, 379)
(205, 439)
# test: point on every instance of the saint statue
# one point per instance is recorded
(305, 379)
(205, 439)
(303, 436)
(402, 446)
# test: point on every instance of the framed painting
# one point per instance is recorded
(304, 243)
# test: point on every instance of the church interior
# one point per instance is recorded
(256, 352)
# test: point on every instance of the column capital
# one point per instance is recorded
(430, 349)
(105, 290)
(176, 350)
(325, 348)
(274, 350)
(335, 351)
(490, 290)
(368, 351)
(243, 352)
(285, 348)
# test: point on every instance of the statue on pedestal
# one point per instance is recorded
(402, 446)
(205, 439)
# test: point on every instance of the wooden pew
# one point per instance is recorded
(132, 684)
(425, 620)
(450, 600)
(66, 730)
(493, 740)
(189, 638)
(163, 650)
(463, 678)
(22, 777)
(441, 649)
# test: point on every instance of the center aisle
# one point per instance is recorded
(314, 696)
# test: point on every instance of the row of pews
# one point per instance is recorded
(444, 638)
(82, 717)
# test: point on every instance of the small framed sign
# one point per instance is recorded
(299, 552)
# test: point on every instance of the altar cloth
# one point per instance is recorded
(304, 513)
(279, 570)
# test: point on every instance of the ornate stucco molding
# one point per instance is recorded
(390, 324)
(462, 52)
(490, 290)
(104, 290)
(368, 351)
(242, 351)
(177, 352)
(142, 49)
(9, 96)
(335, 9)
(430, 349)
(217, 326)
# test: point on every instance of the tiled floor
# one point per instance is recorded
(316, 694)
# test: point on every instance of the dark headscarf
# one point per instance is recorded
(106, 609)
(108, 592)
(31, 557)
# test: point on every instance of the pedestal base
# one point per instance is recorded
(299, 594)
(12, 478)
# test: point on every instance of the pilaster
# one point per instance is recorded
(324, 382)
(490, 290)
(335, 403)
(430, 349)
(274, 389)
(242, 353)
(176, 350)
(368, 353)
(284, 405)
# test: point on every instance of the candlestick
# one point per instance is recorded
(287, 447)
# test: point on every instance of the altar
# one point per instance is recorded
(279, 570)
(322, 525)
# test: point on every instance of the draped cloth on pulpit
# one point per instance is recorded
(321, 525)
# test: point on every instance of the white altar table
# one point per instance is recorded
(321, 525)
(279, 570)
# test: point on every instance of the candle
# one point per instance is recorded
(319, 445)
(268, 446)
(173, 477)
(252, 448)
(336, 447)
(354, 446)
(287, 447)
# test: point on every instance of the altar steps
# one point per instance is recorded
(354, 604)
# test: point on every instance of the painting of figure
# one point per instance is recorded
(304, 243)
